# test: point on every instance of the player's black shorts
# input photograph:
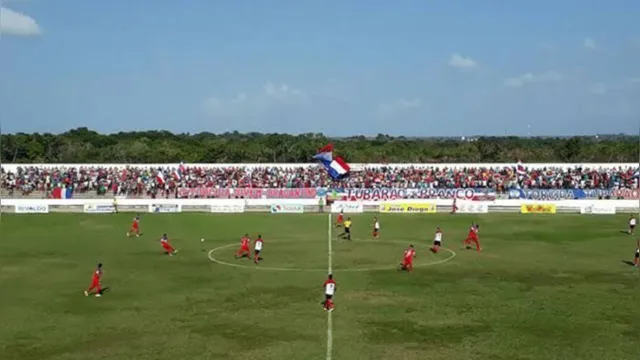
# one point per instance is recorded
(632, 227)
(257, 252)
(375, 230)
(436, 243)
(637, 255)
(328, 297)
(347, 230)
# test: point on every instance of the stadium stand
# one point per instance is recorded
(134, 181)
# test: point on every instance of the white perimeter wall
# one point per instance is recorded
(354, 166)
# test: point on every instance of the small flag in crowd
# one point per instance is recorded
(520, 169)
(160, 178)
(179, 172)
(335, 165)
(62, 193)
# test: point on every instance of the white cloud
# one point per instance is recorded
(409, 104)
(460, 62)
(391, 108)
(530, 78)
(282, 92)
(18, 24)
(271, 97)
(589, 44)
(634, 80)
(598, 89)
(547, 46)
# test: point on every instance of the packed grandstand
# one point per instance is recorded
(212, 181)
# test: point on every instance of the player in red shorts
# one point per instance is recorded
(340, 219)
(454, 207)
(329, 290)
(164, 241)
(376, 227)
(95, 282)
(472, 237)
(244, 247)
(407, 263)
(135, 226)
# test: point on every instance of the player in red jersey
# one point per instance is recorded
(437, 241)
(95, 282)
(340, 219)
(329, 290)
(257, 248)
(135, 226)
(164, 241)
(454, 207)
(409, 255)
(472, 237)
(244, 247)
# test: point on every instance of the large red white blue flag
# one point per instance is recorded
(335, 165)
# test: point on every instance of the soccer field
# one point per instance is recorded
(544, 287)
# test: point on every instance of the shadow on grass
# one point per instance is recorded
(104, 291)
(630, 263)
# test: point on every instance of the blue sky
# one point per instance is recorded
(419, 68)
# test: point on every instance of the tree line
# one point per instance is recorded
(86, 146)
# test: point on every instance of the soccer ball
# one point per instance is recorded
(202, 240)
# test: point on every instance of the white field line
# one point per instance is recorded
(330, 269)
(267, 268)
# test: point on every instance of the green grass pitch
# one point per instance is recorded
(544, 287)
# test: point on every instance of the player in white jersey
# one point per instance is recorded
(632, 225)
(376, 227)
(437, 241)
(329, 291)
(257, 248)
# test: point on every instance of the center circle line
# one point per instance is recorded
(267, 268)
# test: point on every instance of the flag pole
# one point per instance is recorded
(0, 165)
(0, 119)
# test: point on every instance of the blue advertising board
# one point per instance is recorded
(558, 194)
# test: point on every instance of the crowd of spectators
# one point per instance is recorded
(137, 181)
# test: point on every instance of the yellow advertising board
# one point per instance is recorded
(428, 208)
(537, 209)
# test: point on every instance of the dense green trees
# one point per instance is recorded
(86, 146)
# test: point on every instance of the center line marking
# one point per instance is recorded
(329, 316)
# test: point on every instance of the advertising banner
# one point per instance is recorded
(537, 209)
(558, 194)
(32, 209)
(472, 207)
(248, 193)
(382, 194)
(347, 208)
(408, 208)
(99, 208)
(598, 209)
(165, 208)
(629, 194)
(227, 208)
(287, 209)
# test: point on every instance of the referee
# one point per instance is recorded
(347, 229)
